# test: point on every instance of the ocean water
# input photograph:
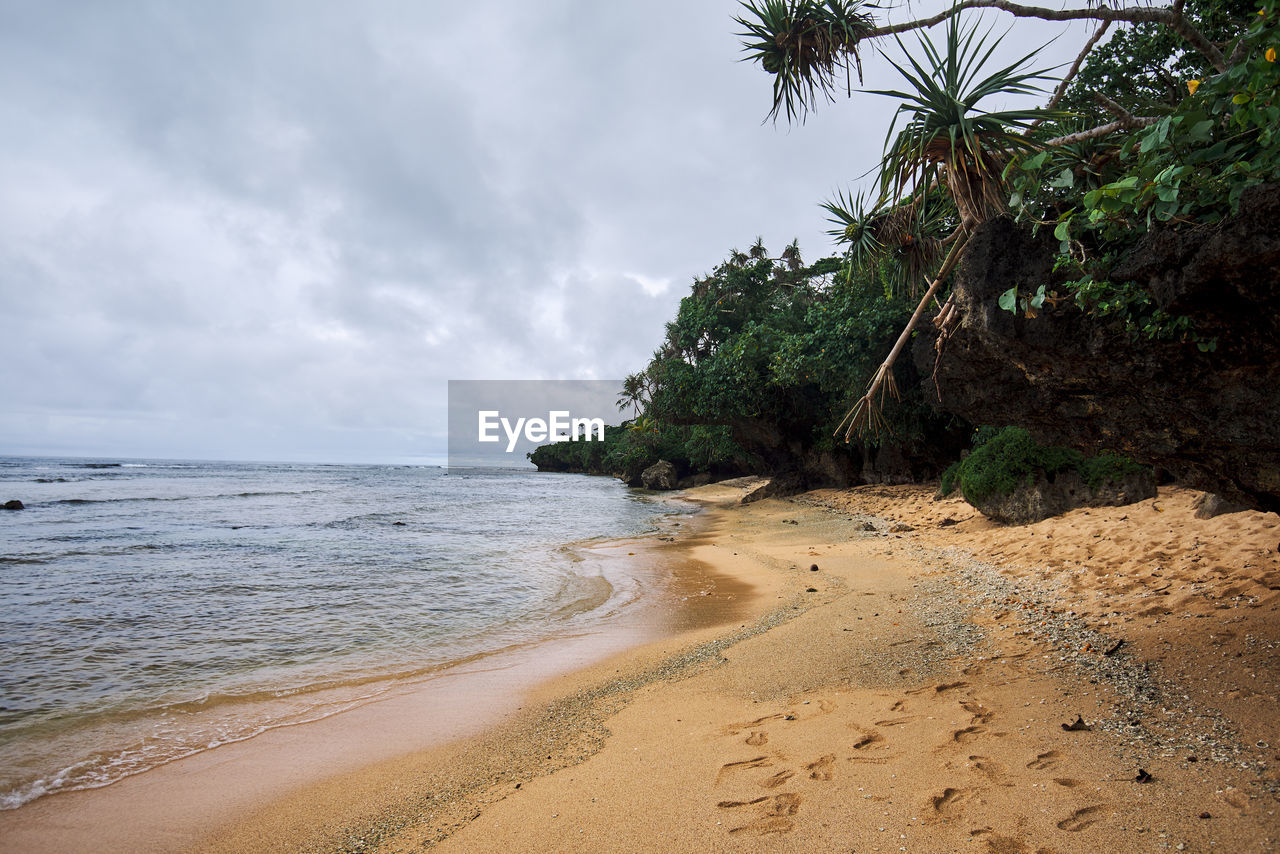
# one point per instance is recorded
(151, 610)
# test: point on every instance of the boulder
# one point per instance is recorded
(660, 475)
(779, 486)
(1210, 504)
(15, 504)
(700, 479)
(1042, 497)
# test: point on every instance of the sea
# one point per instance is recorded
(151, 610)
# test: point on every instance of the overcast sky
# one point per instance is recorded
(274, 230)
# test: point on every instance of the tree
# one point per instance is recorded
(770, 349)
(947, 163)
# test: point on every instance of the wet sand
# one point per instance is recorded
(915, 692)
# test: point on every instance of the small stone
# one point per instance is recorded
(813, 568)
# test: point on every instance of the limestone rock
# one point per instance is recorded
(1080, 381)
(660, 475)
(1210, 505)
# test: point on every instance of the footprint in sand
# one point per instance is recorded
(1082, 818)
(776, 813)
(868, 738)
(734, 729)
(773, 781)
(897, 721)
(900, 706)
(981, 715)
(997, 844)
(989, 767)
(822, 768)
(757, 738)
(940, 689)
(1045, 761)
(949, 801)
(730, 805)
(742, 765)
(968, 734)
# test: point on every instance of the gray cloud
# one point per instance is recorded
(274, 230)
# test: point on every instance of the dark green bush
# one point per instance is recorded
(1008, 460)
(1004, 459)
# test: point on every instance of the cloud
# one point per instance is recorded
(275, 230)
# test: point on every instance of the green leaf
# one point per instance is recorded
(1065, 180)
(1201, 131)
(1063, 230)
(1038, 299)
(1034, 162)
(1009, 300)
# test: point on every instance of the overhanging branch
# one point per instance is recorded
(1102, 130)
(1172, 18)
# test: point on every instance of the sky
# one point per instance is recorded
(275, 230)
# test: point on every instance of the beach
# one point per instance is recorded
(861, 670)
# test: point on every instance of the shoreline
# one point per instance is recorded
(172, 807)
(914, 692)
(917, 693)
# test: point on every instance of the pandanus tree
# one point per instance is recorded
(945, 154)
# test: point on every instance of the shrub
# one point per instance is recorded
(1004, 459)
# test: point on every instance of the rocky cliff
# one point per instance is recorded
(1211, 420)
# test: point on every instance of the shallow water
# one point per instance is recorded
(156, 609)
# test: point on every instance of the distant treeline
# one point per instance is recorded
(630, 449)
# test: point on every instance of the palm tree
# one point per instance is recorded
(635, 393)
(791, 256)
(947, 138)
(912, 234)
(804, 44)
(947, 144)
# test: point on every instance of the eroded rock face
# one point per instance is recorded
(660, 475)
(1208, 506)
(1212, 420)
(1046, 497)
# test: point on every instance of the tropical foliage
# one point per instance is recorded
(762, 341)
(1167, 122)
(1004, 459)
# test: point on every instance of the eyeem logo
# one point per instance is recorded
(558, 427)
(498, 423)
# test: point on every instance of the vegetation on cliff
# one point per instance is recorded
(1167, 122)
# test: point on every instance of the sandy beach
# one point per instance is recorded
(874, 670)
